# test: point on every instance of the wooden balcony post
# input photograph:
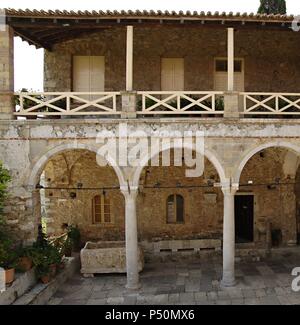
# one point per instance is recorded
(129, 59)
(231, 98)
(230, 58)
(129, 96)
(6, 72)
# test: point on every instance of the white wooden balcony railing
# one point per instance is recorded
(180, 103)
(66, 103)
(271, 104)
(158, 103)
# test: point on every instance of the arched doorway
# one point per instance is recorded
(265, 205)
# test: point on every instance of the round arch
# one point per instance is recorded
(42, 161)
(253, 151)
(208, 154)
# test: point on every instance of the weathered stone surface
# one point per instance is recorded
(6, 73)
(106, 257)
(66, 151)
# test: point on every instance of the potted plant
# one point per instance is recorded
(25, 258)
(43, 273)
(54, 258)
(41, 263)
(8, 259)
(74, 237)
(46, 257)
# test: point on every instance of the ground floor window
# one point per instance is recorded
(101, 209)
(175, 209)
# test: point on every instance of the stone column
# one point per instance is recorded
(128, 104)
(228, 279)
(131, 238)
(6, 73)
(231, 105)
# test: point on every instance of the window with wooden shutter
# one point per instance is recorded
(221, 77)
(101, 209)
(175, 209)
(172, 74)
(88, 73)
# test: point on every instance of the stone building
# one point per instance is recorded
(231, 78)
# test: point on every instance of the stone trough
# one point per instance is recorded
(106, 257)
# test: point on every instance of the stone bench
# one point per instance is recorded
(106, 257)
(177, 246)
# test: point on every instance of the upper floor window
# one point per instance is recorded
(172, 74)
(175, 209)
(221, 76)
(88, 73)
(101, 209)
(222, 65)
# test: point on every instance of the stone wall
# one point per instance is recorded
(26, 146)
(271, 59)
(203, 204)
(65, 173)
(297, 193)
(6, 73)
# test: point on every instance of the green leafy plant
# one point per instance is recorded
(8, 254)
(74, 236)
(27, 103)
(45, 254)
(5, 178)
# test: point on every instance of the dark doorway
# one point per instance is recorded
(244, 218)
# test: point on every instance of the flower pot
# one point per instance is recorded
(68, 252)
(9, 276)
(61, 265)
(45, 278)
(53, 270)
(25, 264)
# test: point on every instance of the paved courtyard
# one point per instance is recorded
(188, 282)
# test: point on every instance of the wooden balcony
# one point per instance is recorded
(159, 104)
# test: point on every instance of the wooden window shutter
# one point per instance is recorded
(175, 209)
(88, 73)
(172, 74)
(101, 209)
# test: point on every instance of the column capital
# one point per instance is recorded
(130, 192)
(229, 189)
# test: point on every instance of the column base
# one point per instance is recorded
(133, 287)
(228, 283)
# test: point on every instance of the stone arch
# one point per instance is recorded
(42, 161)
(207, 153)
(279, 144)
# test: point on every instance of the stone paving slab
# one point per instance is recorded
(189, 282)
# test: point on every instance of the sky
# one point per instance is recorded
(29, 61)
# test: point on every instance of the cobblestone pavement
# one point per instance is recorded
(189, 282)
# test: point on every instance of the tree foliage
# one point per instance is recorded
(4, 180)
(272, 7)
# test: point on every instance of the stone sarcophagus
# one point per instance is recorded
(106, 257)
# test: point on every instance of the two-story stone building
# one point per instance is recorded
(233, 77)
